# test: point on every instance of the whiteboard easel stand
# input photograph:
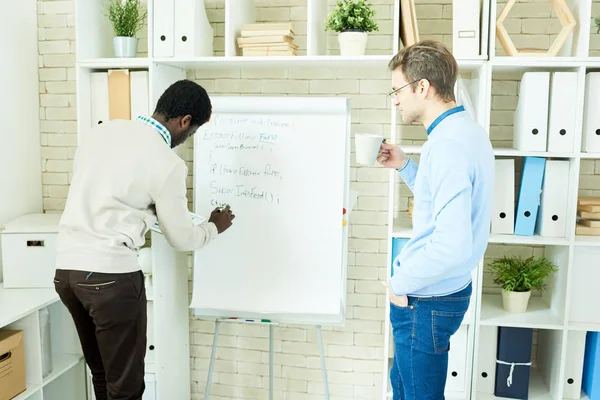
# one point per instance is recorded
(271, 356)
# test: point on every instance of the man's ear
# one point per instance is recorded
(185, 122)
(424, 87)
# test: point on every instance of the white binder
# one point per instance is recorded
(457, 360)
(561, 116)
(552, 214)
(465, 28)
(193, 33)
(503, 217)
(149, 359)
(586, 275)
(574, 364)
(486, 364)
(140, 101)
(531, 115)
(591, 114)
(99, 97)
(164, 28)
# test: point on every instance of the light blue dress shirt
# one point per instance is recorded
(453, 191)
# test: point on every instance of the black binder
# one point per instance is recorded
(513, 362)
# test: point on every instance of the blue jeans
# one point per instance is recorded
(422, 332)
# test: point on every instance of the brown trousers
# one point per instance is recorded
(109, 311)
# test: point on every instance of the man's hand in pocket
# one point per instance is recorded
(400, 301)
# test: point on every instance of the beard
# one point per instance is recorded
(410, 117)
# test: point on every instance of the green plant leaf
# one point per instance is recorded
(517, 275)
(597, 22)
(127, 16)
(352, 14)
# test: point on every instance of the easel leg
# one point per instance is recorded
(212, 360)
(323, 368)
(270, 362)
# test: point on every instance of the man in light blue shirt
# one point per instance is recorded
(453, 186)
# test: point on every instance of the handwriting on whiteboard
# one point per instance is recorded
(242, 158)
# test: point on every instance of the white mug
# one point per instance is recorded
(367, 147)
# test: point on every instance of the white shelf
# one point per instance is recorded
(590, 156)
(584, 326)
(537, 389)
(114, 63)
(31, 390)
(274, 61)
(401, 231)
(538, 315)
(522, 64)
(292, 62)
(256, 62)
(18, 303)
(507, 152)
(411, 149)
(531, 240)
(448, 396)
(61, 363)
(587, 240)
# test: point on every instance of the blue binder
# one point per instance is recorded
(514, 346)
(591, 366)
(397, 245)
(529, 195)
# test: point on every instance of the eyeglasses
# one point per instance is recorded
(393, 93)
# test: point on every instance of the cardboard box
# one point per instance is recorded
(29, 251)
(12, 364)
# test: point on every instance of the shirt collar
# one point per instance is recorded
(164, 132)
(442, 116)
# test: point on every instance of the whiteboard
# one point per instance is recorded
(282, 163)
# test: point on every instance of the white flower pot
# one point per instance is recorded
(515, 302)
(352, 43)
(125, 47)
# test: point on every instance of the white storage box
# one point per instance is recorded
(29, 251)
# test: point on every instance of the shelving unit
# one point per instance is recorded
(550, 315)
(20, 309)
(561, 312)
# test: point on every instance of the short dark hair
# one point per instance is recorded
(431, 60)
(185, 97)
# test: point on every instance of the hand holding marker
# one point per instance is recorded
(222, 217)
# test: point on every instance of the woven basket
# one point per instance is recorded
(410, 210)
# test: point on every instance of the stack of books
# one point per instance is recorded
(272, 39)
(588, 216)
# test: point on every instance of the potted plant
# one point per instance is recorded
(518, 277)
(597, 22)
(127, 18)
(353, 19)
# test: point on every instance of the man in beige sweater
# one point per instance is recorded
(125, 178)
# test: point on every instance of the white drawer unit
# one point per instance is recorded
(29, 251)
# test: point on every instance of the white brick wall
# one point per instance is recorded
(354, 353)
(533, 26)
(361, 341)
